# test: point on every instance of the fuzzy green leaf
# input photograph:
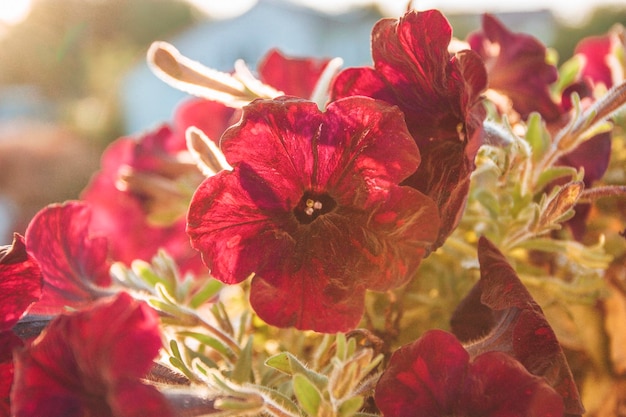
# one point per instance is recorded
(350, 406)
(307, 394)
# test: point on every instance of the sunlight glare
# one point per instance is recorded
(14, 11)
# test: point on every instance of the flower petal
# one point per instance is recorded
(308, 299)
(20, 282)
(517, 68)
(90, 362)
(498, 385)
(351, 155)
(294, 76)
(73, 263)
(236, 243)
(8, 343)
(424, 378)
(515, 324)
(274, 139)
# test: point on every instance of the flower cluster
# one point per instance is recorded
(419, 237)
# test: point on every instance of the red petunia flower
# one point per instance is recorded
(73, 261)
(436, 377)
(439, 93)
(90, 363)
(313, 209)
(499, 314)
(517, 68)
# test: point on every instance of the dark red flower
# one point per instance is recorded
(293, 76)
(313, 209)
(436, 377)
(20, 282)
(499, 314)
(517, 68)
(439, 93)
(90, 363)
(73, 261)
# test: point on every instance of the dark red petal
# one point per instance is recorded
(498, 385)
(363, 144)
(308, 299)
(20, 282)
(72, 261)
(519, 327)
(424, 378)
(82, 360)
(8, 343)
(402, 228)
(293, 76)
(519, 70)
(239, 226)
(360, 82)
(274, 139)
(412, 48)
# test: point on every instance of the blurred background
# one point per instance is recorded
(73, 76)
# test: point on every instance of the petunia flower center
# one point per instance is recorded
(312, 205)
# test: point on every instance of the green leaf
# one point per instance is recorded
(211, 342)
(554, 173)
(287, 363)
(568, 73)
(242, 372)
(537, 136)
(147, 274)
(281, 362)
(210, 288)
(350, 406)
(307, 394)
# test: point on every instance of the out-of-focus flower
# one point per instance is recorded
(499, 314)
(20, 282)
(20, 287)
(313, 209)
(439, 93)
(436, 377)
(140, 196)
(90, 363)
(73, 261)
(603, 57)
(293, 76)
(517, 68)
(8, 343)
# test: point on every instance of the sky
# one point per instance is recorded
(573, 11)
(12, 11)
